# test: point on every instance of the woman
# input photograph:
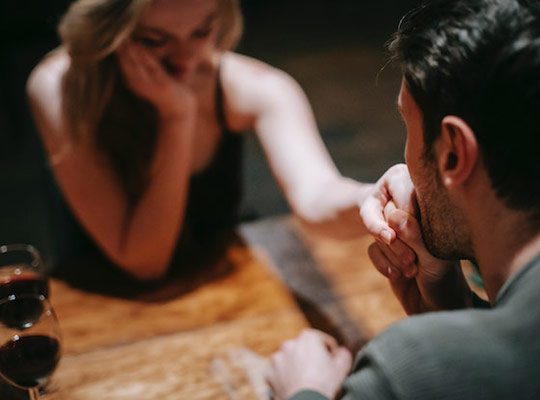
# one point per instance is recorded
(139, 112)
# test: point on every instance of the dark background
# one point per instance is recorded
(333, 48)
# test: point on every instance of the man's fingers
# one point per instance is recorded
(343, 359)
(329, 342)
(408, 230)
(402, 256)
(287, 345)
(393, 253)
(381, 262)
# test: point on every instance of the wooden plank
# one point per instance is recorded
(365, 294)
(221, 362)
(241, 288)
(333, 281)
(205, 333)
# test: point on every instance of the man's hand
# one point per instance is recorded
(312, 361)
(429, 284)
(393, 189)
(420, 281)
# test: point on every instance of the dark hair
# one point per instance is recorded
(480, 60)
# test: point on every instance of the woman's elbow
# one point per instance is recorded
(145, 269)
(148, 273)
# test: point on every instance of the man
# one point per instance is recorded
(470, 100)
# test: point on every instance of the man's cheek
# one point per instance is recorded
(407, 154)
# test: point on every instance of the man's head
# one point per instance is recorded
(471, 79)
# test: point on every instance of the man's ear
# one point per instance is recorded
(458, 151)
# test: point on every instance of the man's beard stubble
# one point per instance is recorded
(443, 226)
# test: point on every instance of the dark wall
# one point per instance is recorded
(335, 49)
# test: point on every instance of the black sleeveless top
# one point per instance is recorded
(213, 201)
(215, 193)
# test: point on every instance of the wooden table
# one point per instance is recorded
(205, 334)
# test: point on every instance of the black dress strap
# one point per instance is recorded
(215, 193)
(220, 105)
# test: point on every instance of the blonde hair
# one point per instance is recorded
(96, 104)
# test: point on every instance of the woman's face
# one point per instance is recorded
(179, 33)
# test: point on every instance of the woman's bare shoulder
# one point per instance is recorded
(252, 85)
(244, 70)
(47, 75)
(44, 93)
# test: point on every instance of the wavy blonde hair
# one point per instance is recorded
(97, 106)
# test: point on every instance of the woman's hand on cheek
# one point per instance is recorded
(145, 76)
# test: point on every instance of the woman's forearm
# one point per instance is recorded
(152, 227)
(332, 209)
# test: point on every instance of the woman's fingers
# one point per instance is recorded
(139, 64)
(136, 78)
(151, 66)
(372, 214)
(399, 187)
(394, 189)
(125, 61)
(145, 77)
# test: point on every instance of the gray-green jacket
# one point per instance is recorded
(475, 354)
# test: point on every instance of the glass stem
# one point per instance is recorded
(33, 393)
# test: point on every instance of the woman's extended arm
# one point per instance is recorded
(140, 239)
(285, 125)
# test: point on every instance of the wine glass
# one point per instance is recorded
(21, 271)
(29, 342)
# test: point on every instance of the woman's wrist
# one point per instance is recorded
(178, 112)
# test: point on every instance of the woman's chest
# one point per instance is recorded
(213, 119)
(207, 136)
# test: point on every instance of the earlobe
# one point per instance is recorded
(458, 151)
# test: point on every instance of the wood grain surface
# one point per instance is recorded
(93, 320)
(206, 334)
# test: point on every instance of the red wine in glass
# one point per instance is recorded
(29, 342)
(21, 271)
(23, 313)
(23, 283)
(28, 361)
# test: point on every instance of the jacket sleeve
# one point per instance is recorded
(308, 395)
(367, 382)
